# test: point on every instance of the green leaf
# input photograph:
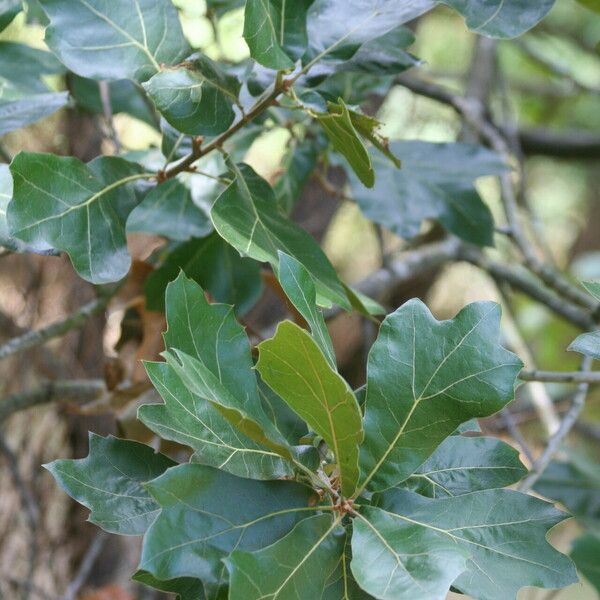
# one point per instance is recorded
(169, 210)
(299, 287)
(193, 421)
(6, 191)
(240, 408)
(435, 182)
(209, 351)
(184, 588)
(292, 364)
(501, 18)
(247, 216)
(294, 568)
(216, 266)
(588, 344)
(275, 31)
(344, 137)
(210, 333)
(576, 485)
(62, 203)
(22, 112)
(196, 97)
(9, 9)
(395, 559)
(22, 68)
(586, 556)
(467, 464)
(431, 376)
(297, 168)
(593, 287)
(338, 28)
(221, 513)
(6, 241)
(341, 584)
(109, 481)
(106, 40)
(501, 531)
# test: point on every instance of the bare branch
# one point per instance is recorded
(567, 423)
(104, 89)
(36, 338)
(86, 566)
(84, 390)
(560, 376)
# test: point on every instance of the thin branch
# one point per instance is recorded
(382, 283)
(104, 88)
(567, 423)
(541, 400)
(560, 376)
(198, 151)
(521, 281)
(577, 144)
(84, 390)
(516, 433)
(473, 113)
(41, 336)
(86, 566)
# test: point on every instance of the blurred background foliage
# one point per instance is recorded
(548, 80)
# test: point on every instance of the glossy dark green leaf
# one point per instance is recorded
(500, 531)
(22, 112)
(9, 9)
(211, 355)
(395, 559)
(435, 182)
(341, 584)
(184, 588)
(242, 408)
(62, 203)
(168, 210)
(6, 240)
(206, 514)
(101, 39)
(501, 18)
(211, 333)
(109, 481)
(196, 97)
(275, 31)
(191, 420)
(431, 376)
(246, 214)
(125, 97)
(467, 464)
(292, 364)
(294, 568)
(216, 266)
(576, 485)
(586, 556)
(22, 68)
(300, 289)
